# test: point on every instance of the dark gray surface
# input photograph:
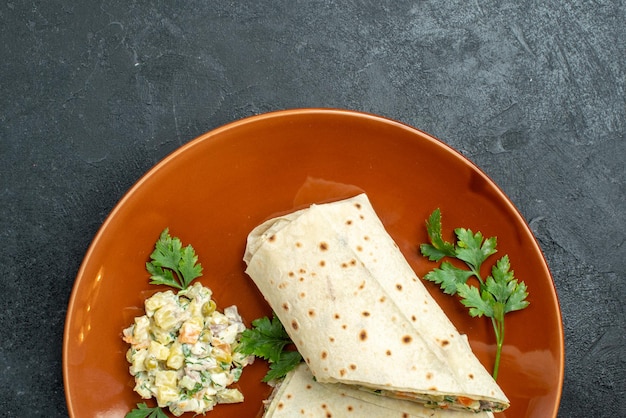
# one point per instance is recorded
(95, 93)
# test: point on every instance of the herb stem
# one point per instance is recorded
(498, 327)
(480, 280)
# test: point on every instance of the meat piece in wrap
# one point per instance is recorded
(358, 313)
(300, 395)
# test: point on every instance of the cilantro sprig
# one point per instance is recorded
(172, 264)
(495, 295)
(143, 411)
(268, 339)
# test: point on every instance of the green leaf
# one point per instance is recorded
(517, 300)
(266, 339)
(143, 411)
(448, 277)
(188, 267)
(286, 362)
(167, 251)
(432, 253)
(505, 288)
(439, 247)
(171, 264)
(479, 303)
(472, 249)
(498, 282)
(160, 276)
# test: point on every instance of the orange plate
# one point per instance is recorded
(215, 189)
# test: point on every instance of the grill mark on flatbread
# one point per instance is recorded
(350, 263)
(443, 343)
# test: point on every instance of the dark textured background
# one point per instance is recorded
(95, 93)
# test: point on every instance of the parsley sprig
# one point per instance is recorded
(495, 296)
(143, 411)
(172, 264)
(268, 339)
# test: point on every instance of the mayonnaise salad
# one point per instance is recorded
(183, 351)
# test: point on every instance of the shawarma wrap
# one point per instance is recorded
(358, 313)
(299, 394)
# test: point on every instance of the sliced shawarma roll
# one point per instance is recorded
(358, 313)
(299, 394)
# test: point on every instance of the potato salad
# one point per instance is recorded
(183, 351)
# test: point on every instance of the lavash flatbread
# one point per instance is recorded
(299, 394)
(357, 312)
